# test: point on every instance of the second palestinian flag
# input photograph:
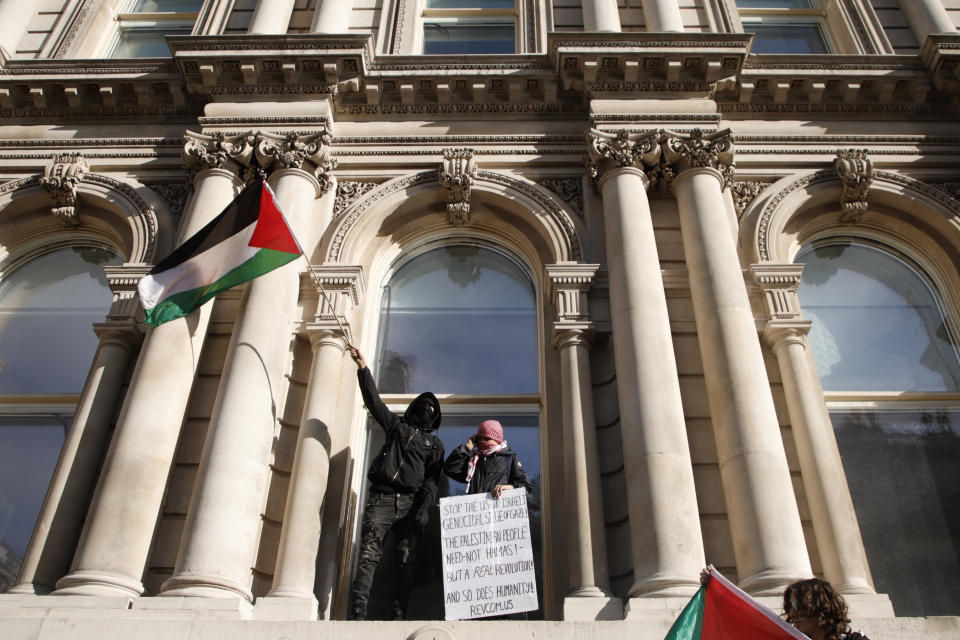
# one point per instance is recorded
(248, 239)
(722, 611)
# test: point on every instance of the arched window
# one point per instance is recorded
(460, 320)
(47, 306)
(889, 365)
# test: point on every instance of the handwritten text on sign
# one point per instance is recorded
(487, 555)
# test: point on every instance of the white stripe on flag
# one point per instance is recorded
(200, 270)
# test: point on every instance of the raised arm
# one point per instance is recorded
(371, 397)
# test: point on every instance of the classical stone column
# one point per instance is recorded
(48, 555)
(662, 15)
(927, 17)
(14, 18)
(589, 597)
(824, 481)
(292, 594)
(764, 520)
(601, 15)
(223, 520)
(271, 16)
(116, 537)
(662, 502)
(332, 16)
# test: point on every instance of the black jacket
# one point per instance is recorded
(501, 467)
(411, 459)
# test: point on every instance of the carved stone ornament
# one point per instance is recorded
(569, 284)
(660, 153)
(202, 152)
(570, 191)
(701, 149)
(779, 283)
(348, 193)
(294, 151)
(456, 176)
(60, 180)
(744, 193)
(856, 173)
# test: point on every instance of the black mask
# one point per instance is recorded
(422, 412)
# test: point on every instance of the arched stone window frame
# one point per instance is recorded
(912, 221)
(406, 215)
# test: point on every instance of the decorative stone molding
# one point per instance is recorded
(348, 193)
(294, 151)
(701, 149)
(569, 284)
(570, 191)
(856, 173)
(561, 225)
(175, 194)
(343, 289)
(457, 173)
(953, 188)
(123, 283)
(215, 151)
(660, 153)
(744, 193)
(60, 180)
(779, 283)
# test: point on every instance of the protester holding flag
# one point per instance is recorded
(486, 464)
(813, 607)
(403, 488)
(722, 611)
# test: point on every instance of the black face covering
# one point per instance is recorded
(421, 412)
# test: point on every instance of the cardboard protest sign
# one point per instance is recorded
(487, 555)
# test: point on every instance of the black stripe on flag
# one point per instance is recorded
(238, 215)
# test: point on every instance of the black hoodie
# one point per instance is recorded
(411, 459)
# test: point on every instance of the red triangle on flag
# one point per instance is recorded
(272, 231)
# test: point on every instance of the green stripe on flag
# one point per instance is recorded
(180, 304)
(689, 624)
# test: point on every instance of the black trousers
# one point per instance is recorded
(385, 511)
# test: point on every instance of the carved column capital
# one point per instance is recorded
(779, 283)
(699, 149)
(780, 333)
(123, 281)
(61, 179)
(343, 289)
(568, 335)
(569, 284)
(457, 173)
(309, 153)
(216, 151)
(610, 150)
(855, 171)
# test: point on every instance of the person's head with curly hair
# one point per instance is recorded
(813, 607)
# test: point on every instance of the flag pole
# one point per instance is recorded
(316, 278)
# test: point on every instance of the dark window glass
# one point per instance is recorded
(903, 468)
(468, 37)
(779, 37)
(29, 448)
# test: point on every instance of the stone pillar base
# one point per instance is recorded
(285, 608)
(599, 606)
(204, 607)
(873, 605)
(641, 609)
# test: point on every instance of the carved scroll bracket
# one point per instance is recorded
(457, 173)
(60, 180)
(855, 171)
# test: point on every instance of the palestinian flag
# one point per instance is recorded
(721, 611)
(248, 239)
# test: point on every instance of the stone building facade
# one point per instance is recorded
(701, 258)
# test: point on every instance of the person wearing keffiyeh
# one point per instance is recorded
(485, 463)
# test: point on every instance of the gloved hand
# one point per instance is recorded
(421, 517)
